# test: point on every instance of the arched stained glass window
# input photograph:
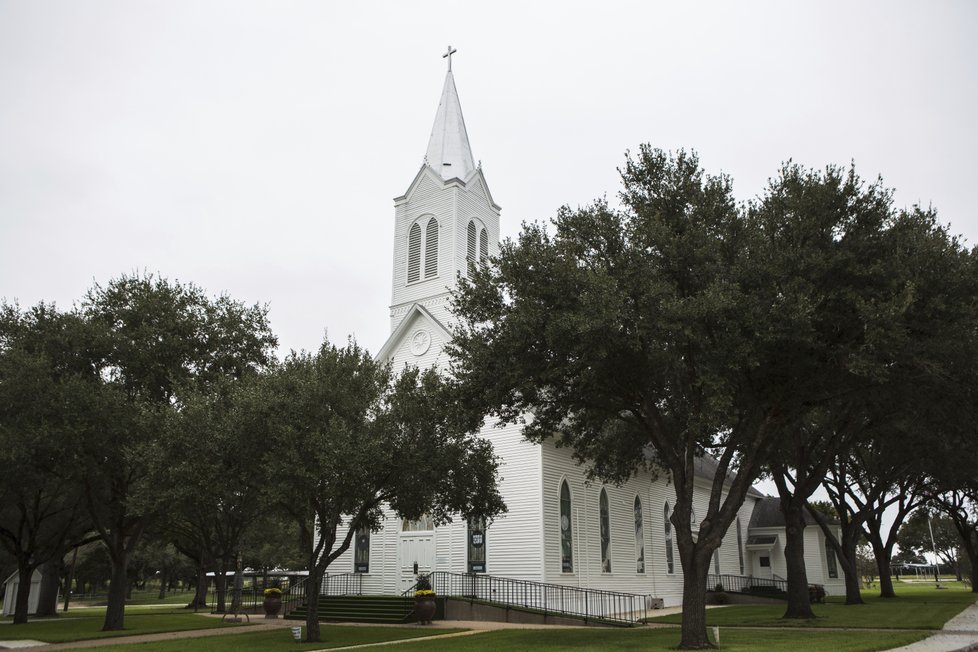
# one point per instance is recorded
(566, 533)
(431, 249)
(740, 547)
(477, 545)
(414, 253)
(639, 537)
(361, 551)
(483, 245)
(667, 525)
(605, 518)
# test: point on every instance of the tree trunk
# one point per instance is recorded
(850, 565)
(24, 572)
(164, 578)
(200, 592)
(115, 611)
(974, 575)
(694, 635)
(696, 566)
(312, 600)
(47, 604)
(799, 601)
(883, 566)
(845, 551)
(220, 588)
(886, 580)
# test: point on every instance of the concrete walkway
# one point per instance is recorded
(958, 635)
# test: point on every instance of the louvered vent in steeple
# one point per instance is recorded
(431, 249)
(414, 254)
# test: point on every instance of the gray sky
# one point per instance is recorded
(254, 148)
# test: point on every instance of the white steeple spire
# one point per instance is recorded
(449, 153)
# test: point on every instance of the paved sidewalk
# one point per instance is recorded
(958, 635)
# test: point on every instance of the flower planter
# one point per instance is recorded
(272, 605)
(424, 609)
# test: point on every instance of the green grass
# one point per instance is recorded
(917, 606)
(145, 597)
(281, 639)
(87, 624)
(661, 639)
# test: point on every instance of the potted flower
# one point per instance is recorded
(424, 600)
(273, 602)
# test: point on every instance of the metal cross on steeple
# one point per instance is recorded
(449, 56)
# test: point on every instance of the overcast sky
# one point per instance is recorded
(254, 148)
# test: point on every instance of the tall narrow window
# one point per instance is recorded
(361, 551)
(667, 525)
(716, 561)
(566, 534)
(639, 538)
(414, 253)
(740, 547)
(477, 546)
(605, 532)
(830, 562)
(483, 245)
(431, 249)
(470, 241)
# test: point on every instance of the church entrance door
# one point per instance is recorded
(416, 551)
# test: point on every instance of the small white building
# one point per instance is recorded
(559, 529)
(11, 585)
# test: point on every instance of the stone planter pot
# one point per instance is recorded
(272, 605)
(424, 609)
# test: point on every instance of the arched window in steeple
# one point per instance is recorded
(483, 245)
(414, 253)
(470, 248)
(431, 249)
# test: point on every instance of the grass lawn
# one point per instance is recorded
(87, 623)
(281, 639)
(917, 606)
(596, 639)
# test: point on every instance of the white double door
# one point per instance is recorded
(415, 555)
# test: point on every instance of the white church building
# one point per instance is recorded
(559, 529)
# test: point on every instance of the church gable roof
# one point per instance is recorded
(404, 329)
(767, 513)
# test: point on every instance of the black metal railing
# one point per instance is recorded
(550, 599)
(745, 583)
(342, 584)
(294, 597)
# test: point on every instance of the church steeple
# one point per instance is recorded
(449, 153)
(444, 224)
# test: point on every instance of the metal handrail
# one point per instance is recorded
(745, 583)
(342, 584)
(294, 597)
(550, 599)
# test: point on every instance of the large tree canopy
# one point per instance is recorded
(158, 340)
(678, 325)
(45, 379)
(346, 437)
